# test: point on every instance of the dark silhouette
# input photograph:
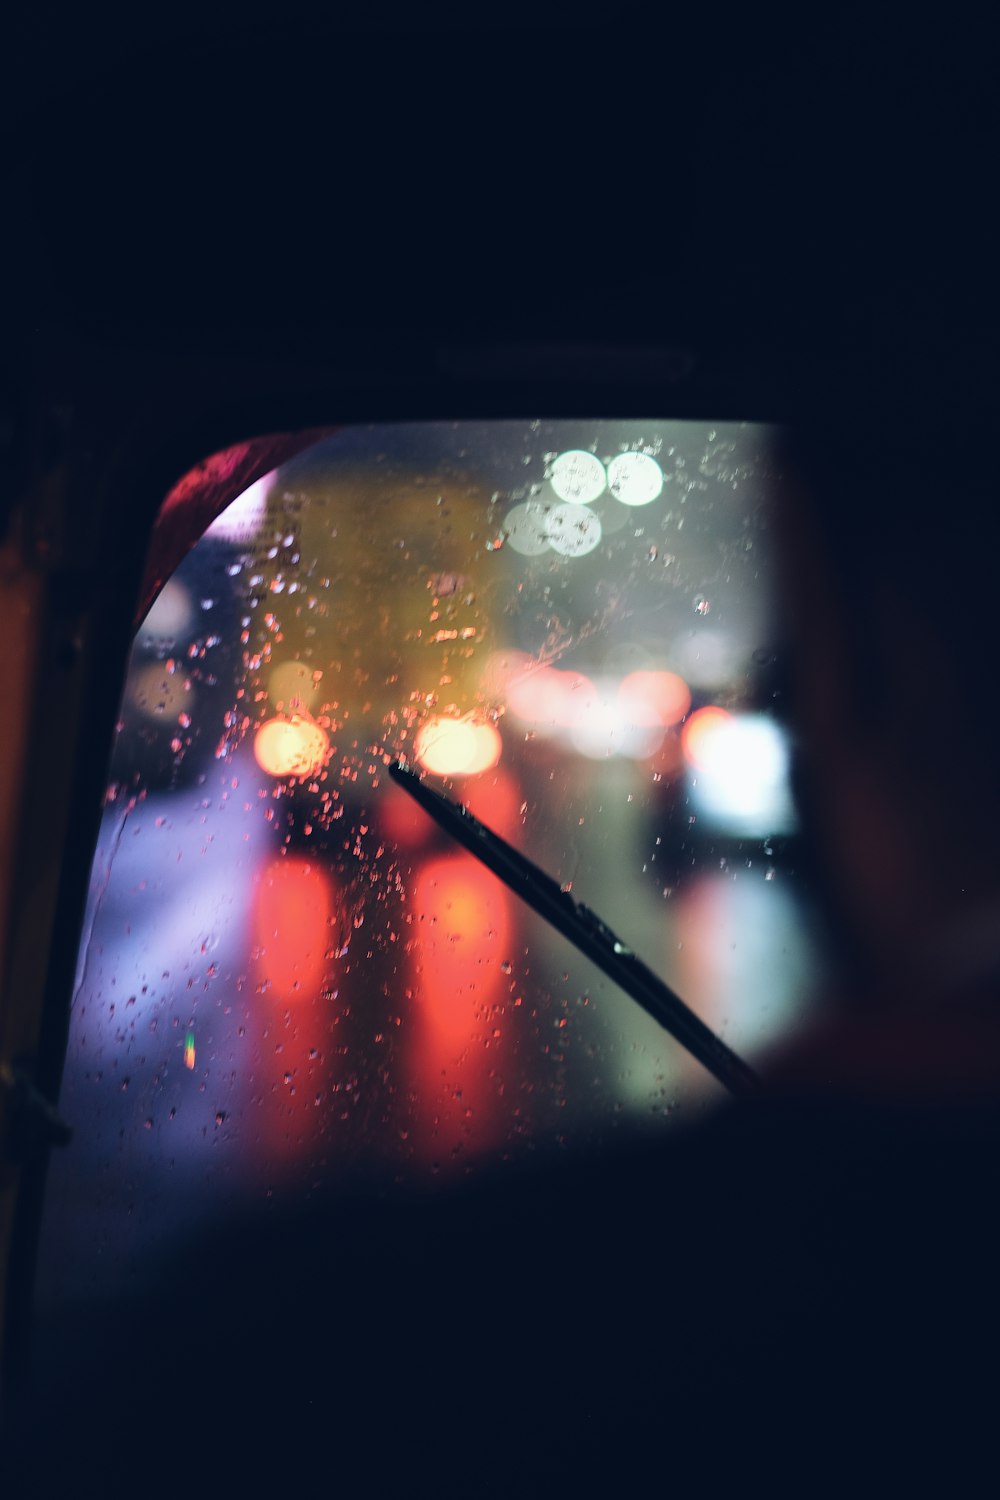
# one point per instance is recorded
(801, 1295)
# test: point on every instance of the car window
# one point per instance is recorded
(288, 975)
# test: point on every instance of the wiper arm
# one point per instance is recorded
(585, 931)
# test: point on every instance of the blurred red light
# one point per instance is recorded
(654, 698)
(293, 908)
(546, 695)
(461, 917)
(293, 905)
(461, 914)
(495, 799)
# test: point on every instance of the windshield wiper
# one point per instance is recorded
(585, 931)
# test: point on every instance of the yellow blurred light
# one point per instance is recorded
(159, 692)
(291, 685)
(456, 747)
(291, 747)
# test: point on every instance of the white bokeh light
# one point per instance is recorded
(524, 528)
(606, 730)
(741, 783)
(578, 476)
(635, 478)
(573, 530)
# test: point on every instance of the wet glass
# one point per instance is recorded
(288, 974)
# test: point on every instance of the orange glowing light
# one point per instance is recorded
(462, 918)
(496, 800)
(654, 698)
(463, 926)
(291, 747)
(698, 737)
(402, 820)
(295, 904)
(189, 1050)
(457, 747)
(293, 907)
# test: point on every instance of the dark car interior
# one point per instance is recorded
(597, 421)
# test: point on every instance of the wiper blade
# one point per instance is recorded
(584, 929)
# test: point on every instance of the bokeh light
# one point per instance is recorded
(654, 698)
(605, 730)
(578, 476)
(463, 920)
(496, 799)
(573, 530)
(291, 747)
(403, 821)
(161, 692)
(291, 685)
(700, 736)
(635, 478)
(457, 747)
(548, 698)
(297, 922)
(292, 911)
(740, 763)
(524, 528)
(462, 915)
